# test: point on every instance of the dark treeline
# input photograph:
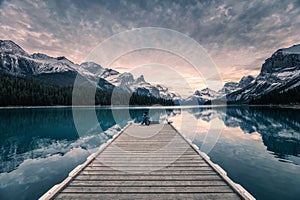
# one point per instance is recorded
(19, 91)
(291, 96)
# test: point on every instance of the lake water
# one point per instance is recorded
(259, 147)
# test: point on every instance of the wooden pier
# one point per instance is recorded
(148, 162)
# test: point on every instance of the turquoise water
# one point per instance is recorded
(259, 147)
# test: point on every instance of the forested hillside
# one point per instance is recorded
(20, 91)
(291, 96)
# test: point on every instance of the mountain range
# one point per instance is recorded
(278, 82)
(279, 75)
(61, 72)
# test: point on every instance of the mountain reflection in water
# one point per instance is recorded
(259, 147)
(279, 127)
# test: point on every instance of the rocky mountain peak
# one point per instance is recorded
(295, 49)
(126, 78)
(246, 80)
(279, 73)
(92, 67)
(197, 93)
(282, 60)
(8, 46)
(40, 56)
(206, 92)
(140, 79)
(61, 58)
(229, 87)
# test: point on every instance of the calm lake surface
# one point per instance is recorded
(259, 147)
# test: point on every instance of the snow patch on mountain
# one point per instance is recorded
(203, 96)
(8, 46)
(128, 83)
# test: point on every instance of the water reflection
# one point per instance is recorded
(25, 130)
(39, 133)
(40, 138)
(279, 128)
(259, 148)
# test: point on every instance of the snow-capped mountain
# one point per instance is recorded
(15, 61)
(291, 50)
(280, 72)
(128, 83)
(9, 47)
(207, 95)
(245, 81)
(230, 87)
(166, 94)
(203, 96)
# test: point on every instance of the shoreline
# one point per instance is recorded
(150, 107)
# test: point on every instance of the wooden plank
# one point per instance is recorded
(169, 148)
(199, 196)
(154, 151)
(135, 170)
(147, 169)
(144, 141)
(152, 189)
(147, 156)
(156, 147)
(148, 183)
(150, 159)
(143, 164)
(156, 173)
(159, 138)
(152, 162)
(149, 177)
(156, 141)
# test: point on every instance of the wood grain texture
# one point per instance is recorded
(148, 162)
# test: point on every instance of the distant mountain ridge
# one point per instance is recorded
(59, 71)
(279, 73)
(278, 82)
(29, 79)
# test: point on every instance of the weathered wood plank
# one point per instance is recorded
(149, 162)
(148, 183)
(146, 169)
(156, 173)
(171, 139)
(152, 189)
(172, 171)
(152, 162)
(167, 148)
(146, 156)
(198, 196)
(143, 164)
(143, 151)
(148, 159)
(148, 177)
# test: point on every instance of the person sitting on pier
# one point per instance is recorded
(146, 120)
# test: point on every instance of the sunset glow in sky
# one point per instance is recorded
(238, 35)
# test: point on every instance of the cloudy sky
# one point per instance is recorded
(238, 35)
